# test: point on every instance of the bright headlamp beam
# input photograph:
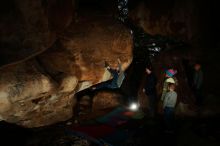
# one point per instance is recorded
(133, 107)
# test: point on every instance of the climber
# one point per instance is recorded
(150, 89)
(169, 78)
(118, 77)
(197, 83)
(169, 104)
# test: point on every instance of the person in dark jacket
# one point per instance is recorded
(150, 89)
(197, 83)
(118, 76)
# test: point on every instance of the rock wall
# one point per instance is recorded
(40, 91)
(30, 97)
(169, 18)
(82, 49)
(29, 27)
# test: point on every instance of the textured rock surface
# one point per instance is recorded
(170, 18)
(105, 100)
(31, 98)
(29, 27)
(85, 45)
(40, 91)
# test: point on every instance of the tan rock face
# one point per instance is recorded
(85, 45)
(5, 104)
(40, 91)
(31, 98)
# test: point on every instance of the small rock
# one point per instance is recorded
(69, 123)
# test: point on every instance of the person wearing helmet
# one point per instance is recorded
(169, 78)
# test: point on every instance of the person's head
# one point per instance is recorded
(170, 72)
(148, 69)
(197, 66)
(171, 86)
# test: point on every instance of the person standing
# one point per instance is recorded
(169, 78)
(150, 89)
(169, 104)
(197, 84)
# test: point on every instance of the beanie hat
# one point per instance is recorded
(170, 72)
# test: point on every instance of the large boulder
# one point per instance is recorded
(31, 98)
(40, 91)
(82, 49)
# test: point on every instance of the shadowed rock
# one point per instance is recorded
(29, 27)
(106, 99)
(40, 91)
(169, 18)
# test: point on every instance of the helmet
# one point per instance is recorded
(170, 80)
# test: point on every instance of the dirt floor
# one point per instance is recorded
(131, 132)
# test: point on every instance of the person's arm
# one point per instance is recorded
(165, 100)
(119, 65)
(112, 71)
(174, 98)
(164, 90)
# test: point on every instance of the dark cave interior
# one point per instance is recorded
(52, 53)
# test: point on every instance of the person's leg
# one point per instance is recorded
(169, 118)
(166, 117)
(151, 105)
(102, 85)
(114, 81)
(172, 119)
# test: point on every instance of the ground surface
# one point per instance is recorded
(119, 128)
